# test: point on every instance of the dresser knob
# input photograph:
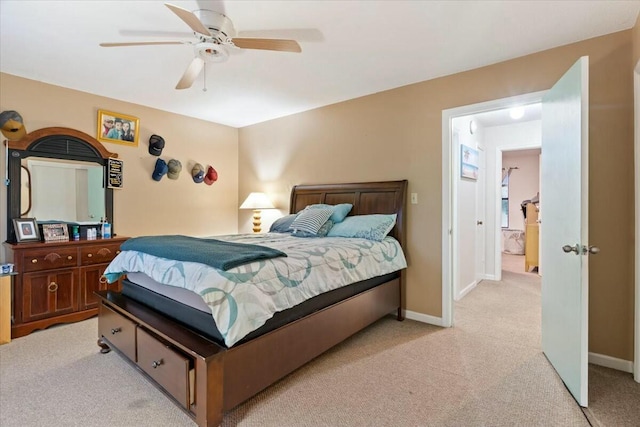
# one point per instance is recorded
(69, 257)
(118, 251)
(34, 261)
(156, 363)
(53, 286)
(115, 330)
(89, 255)
(103, 280)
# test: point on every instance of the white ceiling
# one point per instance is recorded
(349, 48)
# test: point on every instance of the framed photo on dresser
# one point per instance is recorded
(55, 232)
(26, 230)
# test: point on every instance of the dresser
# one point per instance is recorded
(531, 238)
(56, 281)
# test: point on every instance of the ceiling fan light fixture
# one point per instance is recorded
(516, 113)
(211, 52)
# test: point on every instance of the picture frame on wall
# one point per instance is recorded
(118, 128)
(26, 230)
(468, 162)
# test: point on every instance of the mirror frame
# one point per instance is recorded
(53, 143)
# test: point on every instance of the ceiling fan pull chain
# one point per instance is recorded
(204, 76)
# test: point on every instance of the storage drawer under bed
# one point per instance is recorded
(118, 330)
(169, 368)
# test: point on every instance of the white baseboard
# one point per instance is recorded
(424, 318)
(611, 362)
(489, 277)
(466, 290)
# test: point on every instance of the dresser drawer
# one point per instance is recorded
(99, 254)
(49, 258)
(167, 367)
(118, 330)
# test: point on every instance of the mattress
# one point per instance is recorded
(189, 309)
(243, 298)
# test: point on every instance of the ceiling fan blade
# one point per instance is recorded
(190, 19)
(192, 72)
(138, 44)
(268, 44)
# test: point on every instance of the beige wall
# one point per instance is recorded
(398, 134)
(143, 206)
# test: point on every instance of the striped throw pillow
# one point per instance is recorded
(310, 220)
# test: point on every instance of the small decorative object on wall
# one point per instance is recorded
(114, 173)
(468, 162)
(26, 230)
(55, 232)
(118, 128)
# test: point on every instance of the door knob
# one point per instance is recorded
(569, 248)
(479, 222)
(591, 250)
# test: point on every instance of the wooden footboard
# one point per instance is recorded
(206, 379)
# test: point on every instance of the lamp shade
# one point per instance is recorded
(257, 201)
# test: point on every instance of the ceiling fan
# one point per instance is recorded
(215, 33)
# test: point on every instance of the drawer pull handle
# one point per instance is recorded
(69, 257)
(117, 252)
(53, 286)
(89, 255)
(156, 363)
(34, 261)
(103, 279)
(116, 330)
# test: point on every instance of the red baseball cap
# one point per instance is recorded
(211, 176)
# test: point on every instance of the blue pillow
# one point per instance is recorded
(281, 225)
(340, 211)
(372, 227)
(311, 220)
(324, 230)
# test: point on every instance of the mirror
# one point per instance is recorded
(61, 190)
(58, 174)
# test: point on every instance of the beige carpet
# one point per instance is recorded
(487, 371)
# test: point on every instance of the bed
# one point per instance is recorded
(205, 376)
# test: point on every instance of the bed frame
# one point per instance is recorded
(206, 379)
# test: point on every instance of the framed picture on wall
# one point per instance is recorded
(26, 230)
(468, 162)
(118, 128)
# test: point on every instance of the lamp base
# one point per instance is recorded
(256, 221)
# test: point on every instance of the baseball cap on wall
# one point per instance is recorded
(174, 169)
(160, 170)
(211, 176)
(156, 144)
(197, 173)
(11, 125)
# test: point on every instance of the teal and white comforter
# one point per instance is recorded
(243, 298)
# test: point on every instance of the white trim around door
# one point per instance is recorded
(636, 352)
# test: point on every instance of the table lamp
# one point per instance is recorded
(257, 201)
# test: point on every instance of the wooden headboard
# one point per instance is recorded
(386, 197)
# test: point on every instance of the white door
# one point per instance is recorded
(481, 226)
(564, 199)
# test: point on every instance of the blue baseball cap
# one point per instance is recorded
(160, 170)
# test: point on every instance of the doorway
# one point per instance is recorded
(451, 175)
